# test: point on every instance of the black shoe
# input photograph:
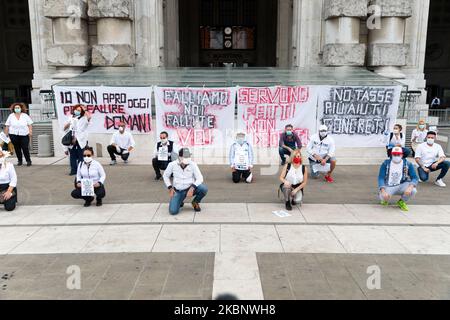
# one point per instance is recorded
(87, 203)
(288, 206)
(99, 203)
(72, 174)
(293, 203)
(157, 178)
(196, 206)
(28, 164)
(19, 163)
(182, 205)
(283, 163)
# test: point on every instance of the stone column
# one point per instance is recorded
(387, 52)
(114, 33)
(70, 49)
(342, 31)
(150, 33)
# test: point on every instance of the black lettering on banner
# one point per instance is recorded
(358, 110)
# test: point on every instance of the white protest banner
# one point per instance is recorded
(264, 112)
(108, 106)
(359, 116)
(195, 116)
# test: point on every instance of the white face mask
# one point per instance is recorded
(184, 161)
(121, 129)
(240, 141)
(164, 141)
(87, 159)
(430, 141)
(396, 159)
(396, 131)
(323, 134)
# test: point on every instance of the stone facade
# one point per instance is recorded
(72, 36)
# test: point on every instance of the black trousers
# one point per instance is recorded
(113, 152)
(10, 204)
(100, 192)
(159, 165)
(239, 175)
(21, 147)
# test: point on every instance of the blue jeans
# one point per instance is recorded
(179, 196)
(444, 166)
(76, 156)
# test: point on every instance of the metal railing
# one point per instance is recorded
(443, 116)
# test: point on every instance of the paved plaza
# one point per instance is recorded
(131, 248)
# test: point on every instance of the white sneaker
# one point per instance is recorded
(420, 181)
(250, 178)
(113, 163)
(440, 183)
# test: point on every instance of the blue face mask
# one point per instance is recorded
(240, 141)
(289, 133)
(17, 110)
(77, 113)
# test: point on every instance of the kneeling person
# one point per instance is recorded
(397, 176)
(294, 178)
(431, 157)
(90, 175)
(122, 143)
(187, 182)
(321, 149)
(8, 182)
(241, 159)
(162, 155)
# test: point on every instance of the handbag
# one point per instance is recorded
(67, 139)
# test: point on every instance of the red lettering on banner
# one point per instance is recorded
(195, 137)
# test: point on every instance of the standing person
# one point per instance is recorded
(20, 130)
(418, 136)
(122, 143)
(289, 141)
(162, 155)
(397, 177)
(8, 182)
(78, 123)
(397, 139)
(241, 159)
(187, 182)
(321, 149)
(294, 178)
(436, 103)
(431, 157)
(92, 170)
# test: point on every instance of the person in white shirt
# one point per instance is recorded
(321, 151)
(8, 182)
(165, 152)
(122, 143)
(20, 130)
(90, 175)
(431, 157)
(397, 139)
(294, 178)
(187, 182)
(397, 177)
(435, 103)
(78, 123)
(241, 159)
(418, 136)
